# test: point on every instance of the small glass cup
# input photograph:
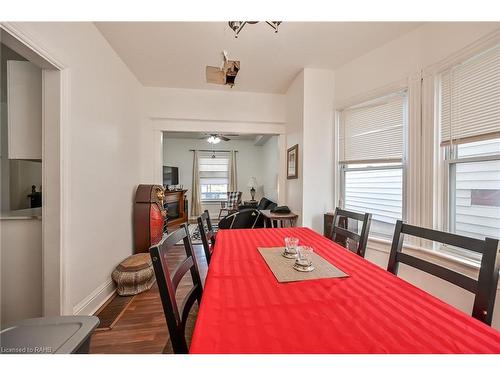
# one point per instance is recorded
(291, 244)
(304, 256)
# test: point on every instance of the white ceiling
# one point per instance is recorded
(174, 54)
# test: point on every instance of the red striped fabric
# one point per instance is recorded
(245, 310)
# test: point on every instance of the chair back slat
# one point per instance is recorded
(350, 214)
(448, 238)
(344, 232)
(167, 285)
(207, 235)
(181, 271)
(484, 288)
(340, 229)
(444, 273)
(187, 304)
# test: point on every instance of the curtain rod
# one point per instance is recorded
(215, 150)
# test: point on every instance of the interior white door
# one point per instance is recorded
(24, 110)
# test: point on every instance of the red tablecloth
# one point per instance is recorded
(245, 310)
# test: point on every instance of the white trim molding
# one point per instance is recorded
(33, 46)
(379, 92)
(90, 304)
(195, 125)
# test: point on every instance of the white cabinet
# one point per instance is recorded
(24, 110)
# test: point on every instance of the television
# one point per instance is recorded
(170, 175)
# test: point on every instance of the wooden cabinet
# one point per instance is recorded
(24, 110)
(149, 217)
(327, 223)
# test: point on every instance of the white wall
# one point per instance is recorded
(406, 55)
(318, 168)
(394, 62)
(103, 153)
(220, 105)
(295, 135)
(270, 169)
(251, 161)
(310, 125)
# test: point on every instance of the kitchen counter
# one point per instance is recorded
(26, 214)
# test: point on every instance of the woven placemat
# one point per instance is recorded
(283, 270)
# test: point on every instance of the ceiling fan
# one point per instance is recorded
(216, 138)
(225, 74)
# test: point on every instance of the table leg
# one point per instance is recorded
(272, 223)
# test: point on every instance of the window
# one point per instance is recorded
(474, 189)
(371, 145)
(214, 176)
(469, 104)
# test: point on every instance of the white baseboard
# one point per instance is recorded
(90, 304)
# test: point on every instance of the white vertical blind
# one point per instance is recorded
(470, 99)
(373, 131)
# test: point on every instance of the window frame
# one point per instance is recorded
(450, 161)
(214, 200)
(227, 182)
(342, 167)
(446, 159)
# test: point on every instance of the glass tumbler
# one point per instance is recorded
(304, 256)
(291, 244)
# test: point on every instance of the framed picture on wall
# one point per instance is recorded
(292, 162)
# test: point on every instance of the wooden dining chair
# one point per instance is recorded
(484, 288)
(168, 283)
(207, 234)
(341, 233)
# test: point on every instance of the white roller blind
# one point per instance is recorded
(470, 99)
(213, 171)
(373, 131)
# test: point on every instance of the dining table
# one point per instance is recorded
(245, 310)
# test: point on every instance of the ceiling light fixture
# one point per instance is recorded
(237, 26)
(213, 139)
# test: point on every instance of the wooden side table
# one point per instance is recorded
(250, 203)
(280, 218)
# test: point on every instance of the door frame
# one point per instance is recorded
(55, 167)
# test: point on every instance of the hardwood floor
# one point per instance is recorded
(142, 327)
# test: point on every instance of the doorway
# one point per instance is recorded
(47, 257)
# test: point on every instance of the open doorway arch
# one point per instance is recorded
(160, 125)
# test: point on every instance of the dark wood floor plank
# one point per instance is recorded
(142, 327)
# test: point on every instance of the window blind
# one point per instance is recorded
(470, 99)
(213, 171)
(373, 132)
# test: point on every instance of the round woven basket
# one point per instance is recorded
(134, 275)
